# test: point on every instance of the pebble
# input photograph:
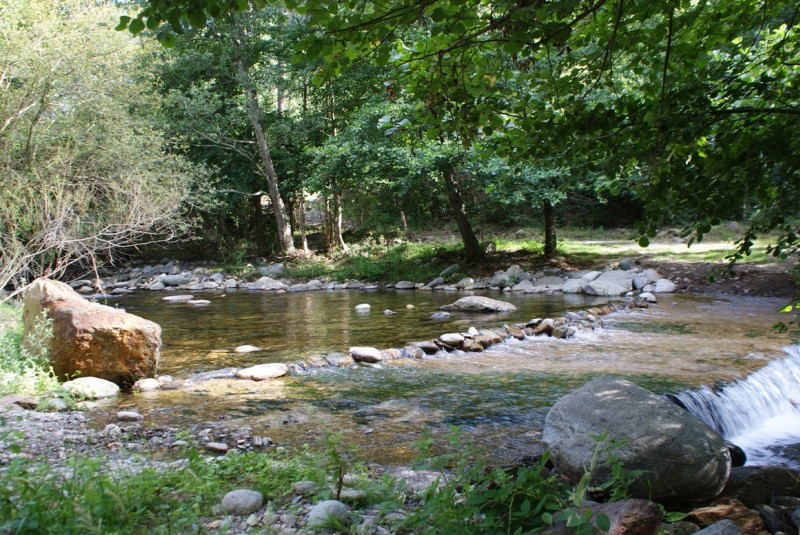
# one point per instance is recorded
(217, 447)
(246, 349)
(129, 416)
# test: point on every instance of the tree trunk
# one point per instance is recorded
(337, 206)
(472, 249)
(403, 222)
(550, 241)
(328, 224)
(254, 114)
(302, 217)
(258, 221)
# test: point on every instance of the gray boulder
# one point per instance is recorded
(476, 303)
(328, 514)
(438, 281)
(550, 282)
(272, 270)
(242, 502)
(405, 285)
(450, 270)
(604, 288)
(524, 286)
(463, 283)
(680, 457)
(664, 286)
(723, 527)
(620, 278)
(266, 284)
(175, 280)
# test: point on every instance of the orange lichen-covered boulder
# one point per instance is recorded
(88, 339)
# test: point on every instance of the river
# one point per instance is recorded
(498, 398)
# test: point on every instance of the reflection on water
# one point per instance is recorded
(298, 324)
(500, 396)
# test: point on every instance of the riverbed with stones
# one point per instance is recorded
(499, 396)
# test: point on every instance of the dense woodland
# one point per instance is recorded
(261, 128)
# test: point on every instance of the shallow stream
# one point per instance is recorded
(499, 398)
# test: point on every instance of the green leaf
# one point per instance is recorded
(136, 26)
(602, 522)
(123, 23)
(644, 241)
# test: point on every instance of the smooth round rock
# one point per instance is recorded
(263, 372)
(198, 302)
(452, 339)
(246, 349)
(217, 447)
(91, 388)
(146, 385)
(365, 354)
(477, 303)
(242, 502)
(177, 298)
(129, 416)
(328, 513)
(363, 307)
(305, 488)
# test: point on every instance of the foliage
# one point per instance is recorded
(689, 106)
(84, 172)
(22, 371)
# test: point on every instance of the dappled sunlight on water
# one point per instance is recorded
(499, 397)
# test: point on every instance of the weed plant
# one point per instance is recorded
(23, 371)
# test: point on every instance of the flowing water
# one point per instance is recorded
(499, 398)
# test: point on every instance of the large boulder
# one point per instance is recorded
(680, 458)
(477, 303)
(89, 339)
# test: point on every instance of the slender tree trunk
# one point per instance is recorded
(550, 241)
(338, 234)
(258, 221)
(472, 249)
(328, 225)
(254, 114)
(302, 218)
(403, 222)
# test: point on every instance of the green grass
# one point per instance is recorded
(87, 498)
(21, 371)
(470, 495)
(377, 262)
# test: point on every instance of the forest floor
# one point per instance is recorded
(701, 268)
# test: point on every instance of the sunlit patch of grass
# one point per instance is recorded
(377, 262)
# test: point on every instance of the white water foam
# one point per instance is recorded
(760, 413)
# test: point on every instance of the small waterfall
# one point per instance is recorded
(760, 413)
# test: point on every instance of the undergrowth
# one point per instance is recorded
(469, 496)
(23, 371)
